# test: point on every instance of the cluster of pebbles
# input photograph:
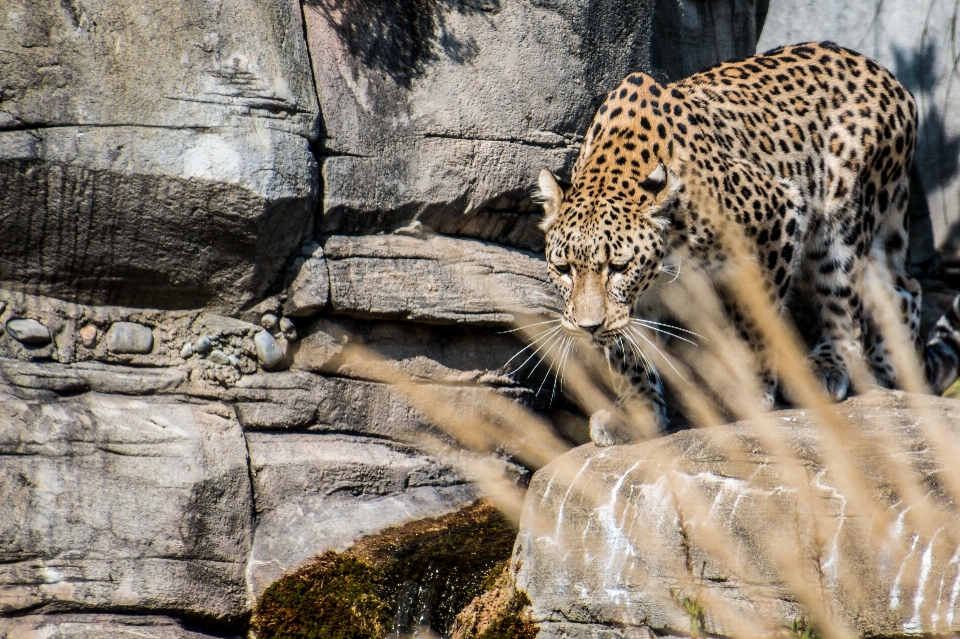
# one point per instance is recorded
(211, 347)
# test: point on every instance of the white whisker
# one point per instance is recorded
(671, 269)
(539, 338)
(643, 358)
(563, 361)
(559, 341)
(670, 326)
(554, 362)
(520, 328)
(552, 342)
(666, 332)
(644, 338)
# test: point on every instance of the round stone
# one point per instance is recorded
(129, 338)
(288, 329)
(88, 335)
(187, 351)
(29, 331)
(269, 321)
(219, 357)
(204, 345)
(269, 353)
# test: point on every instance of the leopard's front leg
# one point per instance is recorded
(640, 399)
(836, 270)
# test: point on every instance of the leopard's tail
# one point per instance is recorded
(941, 353)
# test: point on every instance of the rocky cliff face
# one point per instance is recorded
(201, 205)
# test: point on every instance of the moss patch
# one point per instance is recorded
(438, 565)
(498, 613)
(334, 597)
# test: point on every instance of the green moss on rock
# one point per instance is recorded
(356, 594)
(333, 597)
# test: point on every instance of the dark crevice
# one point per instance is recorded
(250, 478)
(39, 126)
(322, 152)
(542, 145)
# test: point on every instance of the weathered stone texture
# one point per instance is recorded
(615, 538)
(96, 626)
(111, 503)
(437, 280)
(432, 109)
(161, 154)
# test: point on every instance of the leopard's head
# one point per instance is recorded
(605, 243)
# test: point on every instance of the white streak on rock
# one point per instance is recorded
(618, 542)
(831, 565)
(895, 589)
(567, 496)
(955, 592)
(926, 564)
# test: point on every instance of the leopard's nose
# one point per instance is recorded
(591, 327)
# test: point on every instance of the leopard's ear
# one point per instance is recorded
(656, 180)
(550, 196)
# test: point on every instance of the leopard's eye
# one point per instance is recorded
(619, 268)
(563, 269)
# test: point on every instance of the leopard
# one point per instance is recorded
(802, 153)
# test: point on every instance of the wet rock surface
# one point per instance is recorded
(614, 540)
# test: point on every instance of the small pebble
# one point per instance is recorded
(129, 337)
(3, 306)
(88, 335)
(187, 351)
(269, 322)
(219, 357)
(204, 345)
(29, 331)
(288, 329)
(269, 353)
(234, 361)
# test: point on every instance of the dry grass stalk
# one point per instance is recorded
(726, 369)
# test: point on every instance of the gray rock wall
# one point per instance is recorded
(153, 158)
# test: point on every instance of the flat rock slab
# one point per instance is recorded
(292, 466)
(438, 280)
(97, 626)
(90, 376)
(116, 503)
(863, 525)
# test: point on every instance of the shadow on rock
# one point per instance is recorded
(402, 39)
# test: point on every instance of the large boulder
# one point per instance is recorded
(727, 530)
(153, 155)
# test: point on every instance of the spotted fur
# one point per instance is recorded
(803, 152)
